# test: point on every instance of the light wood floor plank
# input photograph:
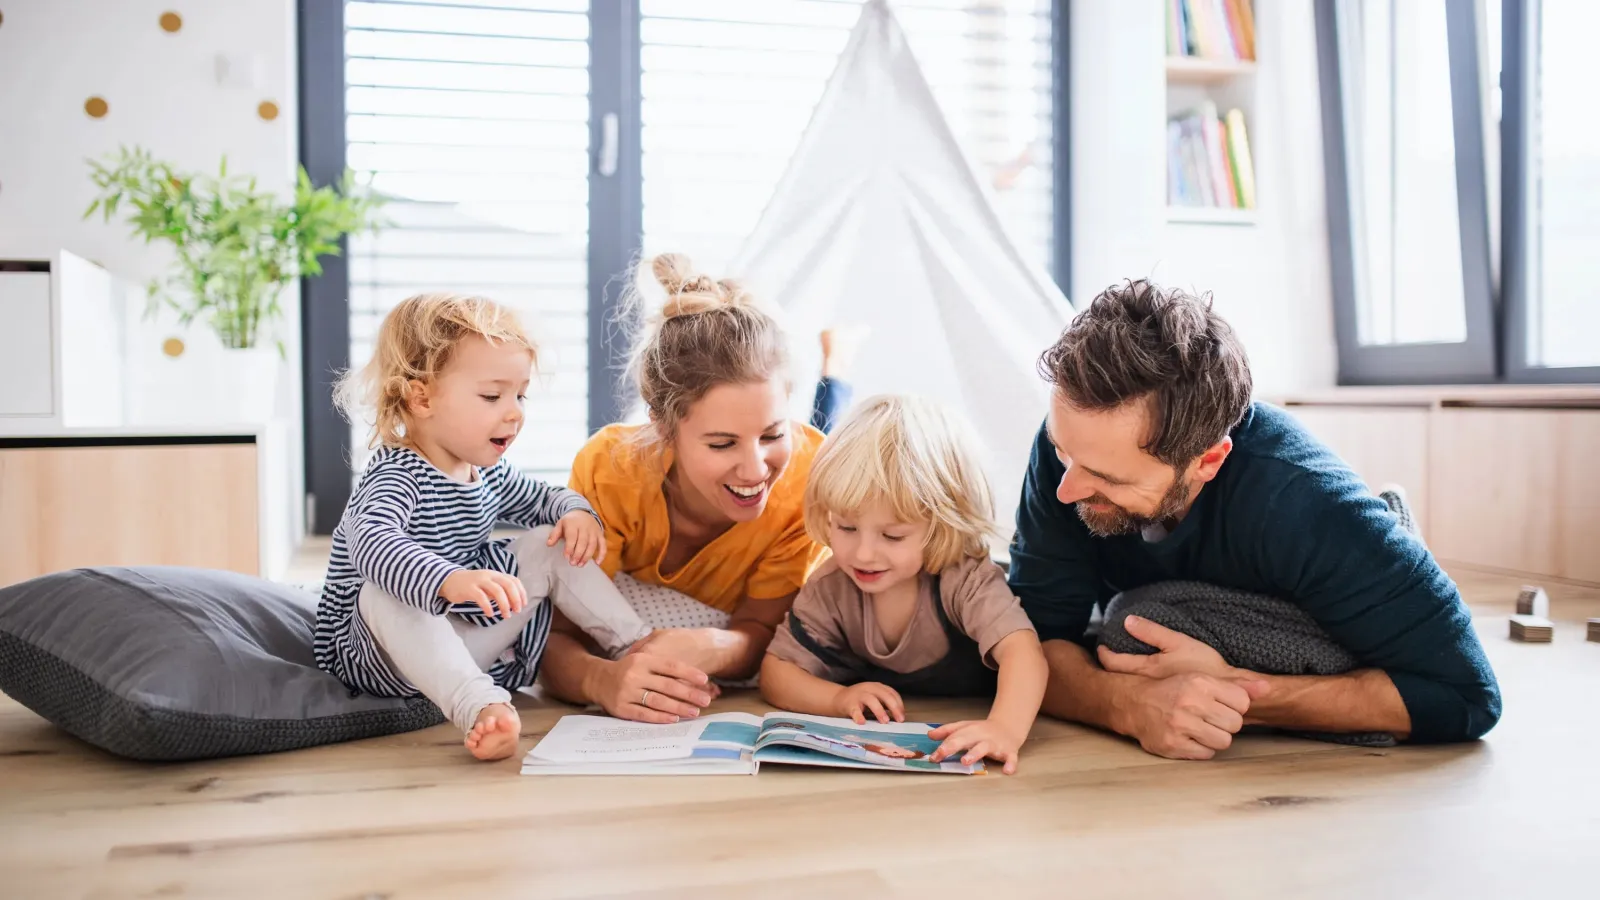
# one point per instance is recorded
(412, 816)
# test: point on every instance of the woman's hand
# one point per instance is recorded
(980, 738)
(584, 536)
(645, 687)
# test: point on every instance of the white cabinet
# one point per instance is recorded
(27, 385)
(61, 345)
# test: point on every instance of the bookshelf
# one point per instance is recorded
(1207, 215)
(1197, 70)
(1210, 69)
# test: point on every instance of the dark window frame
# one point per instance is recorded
(324, 300)
(1474, 359)
(1519, 31)
(616, 228)
(1498, 320)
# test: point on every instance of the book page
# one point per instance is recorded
(896, 745)
(581, 739)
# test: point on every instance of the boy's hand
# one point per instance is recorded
(485, 588)
(882, 701)
(980, 738)
(585, 539)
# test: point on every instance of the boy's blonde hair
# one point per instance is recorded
(917, 458)
(415, 343)
(707, 332)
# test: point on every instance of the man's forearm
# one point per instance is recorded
(1079, 690)
(1362, 700)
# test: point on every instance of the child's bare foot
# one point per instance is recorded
(839, 346)
(494, 735)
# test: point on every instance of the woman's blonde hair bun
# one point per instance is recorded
(707, 331)
(690, 292)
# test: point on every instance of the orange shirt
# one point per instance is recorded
(765, 558)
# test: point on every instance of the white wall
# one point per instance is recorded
(163, 93)
(1271, 279)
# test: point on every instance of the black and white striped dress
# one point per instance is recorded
(406, 528)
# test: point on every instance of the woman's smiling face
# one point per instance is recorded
(733, 445)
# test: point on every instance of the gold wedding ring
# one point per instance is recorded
(644, 698)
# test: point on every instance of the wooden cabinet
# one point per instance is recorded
(1495, 485)
(1518, 490)
(1501, 478)
(1383, 446)
(1577, 501)
(190, 501)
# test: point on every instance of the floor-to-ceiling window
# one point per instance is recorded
(474, 121)
(1463, 172)
(530, 150)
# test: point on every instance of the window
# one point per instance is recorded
(1561, 191)
(1404, 176)
(532, 149)
(1491, 278)
(475, 123)
(728, 87)
(1403, 131)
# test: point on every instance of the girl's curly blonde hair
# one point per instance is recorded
(415, 343)
(919, 459)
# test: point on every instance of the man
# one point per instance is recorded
(1154, 465)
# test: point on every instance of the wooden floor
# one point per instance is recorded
(1090, 815)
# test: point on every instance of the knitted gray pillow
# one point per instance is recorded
(1252, 631)
(168, 663)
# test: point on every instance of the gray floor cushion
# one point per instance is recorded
(167, 663)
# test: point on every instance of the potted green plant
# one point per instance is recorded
(236, 247)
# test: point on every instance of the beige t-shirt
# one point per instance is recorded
(837, 615)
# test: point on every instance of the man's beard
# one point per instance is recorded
(1119, 521)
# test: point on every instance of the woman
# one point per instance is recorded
(704, 499)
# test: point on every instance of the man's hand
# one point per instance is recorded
(1176, 654)
(585, 539)
(1187, 716)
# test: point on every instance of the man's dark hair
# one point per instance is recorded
(1139, 340)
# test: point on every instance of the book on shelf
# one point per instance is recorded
(1211, 29)
(734, 744)
(1208, 160)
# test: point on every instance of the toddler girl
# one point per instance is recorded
(418, 598)
(910, 603)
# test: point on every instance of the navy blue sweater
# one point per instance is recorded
(1284, 517)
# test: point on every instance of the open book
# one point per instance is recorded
(733, 744)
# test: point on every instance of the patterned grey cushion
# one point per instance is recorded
(1252, 631)
(168, 663)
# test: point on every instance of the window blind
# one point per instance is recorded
(473, 118)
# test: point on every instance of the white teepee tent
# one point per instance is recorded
(881, 220)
